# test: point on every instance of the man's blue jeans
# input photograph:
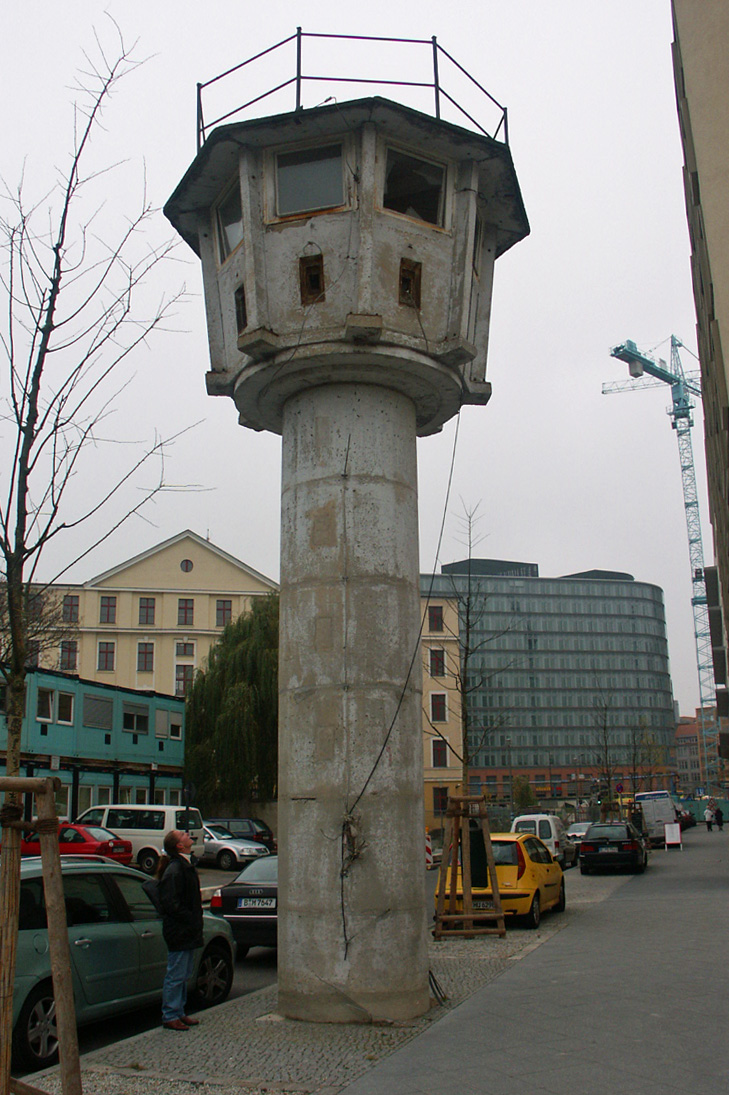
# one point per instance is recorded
(174, 986)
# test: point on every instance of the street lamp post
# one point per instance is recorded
(511, 782)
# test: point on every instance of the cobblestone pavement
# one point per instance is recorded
(245, 1048)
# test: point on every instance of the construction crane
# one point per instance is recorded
(683, 386)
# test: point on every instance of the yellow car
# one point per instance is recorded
(530, 879)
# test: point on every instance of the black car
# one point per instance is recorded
(247, 828)
(250, 905)
(610, 844)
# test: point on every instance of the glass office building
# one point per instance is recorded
(557, 665)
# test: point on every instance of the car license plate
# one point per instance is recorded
(256, 902)
(608, 849)
(483, 904)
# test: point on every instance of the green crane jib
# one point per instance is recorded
(683, 387)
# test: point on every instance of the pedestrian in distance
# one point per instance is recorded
(719, 818)
(709, 818)
(182, 925)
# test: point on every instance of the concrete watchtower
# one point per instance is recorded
(348, 254)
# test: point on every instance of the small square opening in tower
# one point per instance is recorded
(241, 315)
(414, 187)
(410, 280)
(311, 279)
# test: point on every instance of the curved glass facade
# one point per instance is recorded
(558, 664)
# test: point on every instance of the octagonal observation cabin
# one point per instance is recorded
(349, 242)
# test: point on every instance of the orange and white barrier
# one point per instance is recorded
(428, 851)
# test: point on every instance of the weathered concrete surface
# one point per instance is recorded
(351, 906)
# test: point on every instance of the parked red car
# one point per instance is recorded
(83, 840)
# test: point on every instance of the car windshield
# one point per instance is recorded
(219, 830)
(505, 854)
(608, 832)
(260, 870)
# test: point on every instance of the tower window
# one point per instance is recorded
(414, 187)
(309, 179)
(229, 216)
(311, 279)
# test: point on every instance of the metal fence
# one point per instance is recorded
(439, 55)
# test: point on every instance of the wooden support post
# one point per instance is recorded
(44, 790)
(58, 942)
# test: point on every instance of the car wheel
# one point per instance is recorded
(215, 976)
(35, 1037)
(226, 861)
(148, 861)
(562, 902)
(584, 869)
(535, 913)
(643, 864)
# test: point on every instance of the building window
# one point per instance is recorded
(229, 217)
(309, 179)
(146, 610)
(440, 753)
(437, 663)
(414, 187)
(440, 800)
(44, 705)
(185, 650)
(105, 661)
(98, 712)
(175, 729)
(107, 614)
(184, 675)
(32, 658)
(135, 718)
(438, 712)
(70, 609)
(145, 657)
(223, 613)
(435, 617)
(69, 655)
(65, 708)
(185, 611)
(186, 566)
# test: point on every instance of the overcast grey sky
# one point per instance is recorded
(564, 476)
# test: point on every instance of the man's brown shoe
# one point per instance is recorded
(175, 1024)
(189, 1021)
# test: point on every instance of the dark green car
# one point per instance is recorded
(118, 955)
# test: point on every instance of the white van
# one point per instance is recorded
(551, 832)
(146, 826)
(658, 810)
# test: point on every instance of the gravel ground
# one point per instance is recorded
(245, 1048)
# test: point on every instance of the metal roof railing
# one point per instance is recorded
(300, 78)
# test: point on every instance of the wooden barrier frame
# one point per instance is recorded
(461, 809)
(45, 792)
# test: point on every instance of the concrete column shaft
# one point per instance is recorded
(351, 769)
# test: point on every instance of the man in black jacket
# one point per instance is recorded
(182, 925)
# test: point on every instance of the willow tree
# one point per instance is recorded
(231, 721)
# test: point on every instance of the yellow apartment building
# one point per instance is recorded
(442, 739)
(149, 622)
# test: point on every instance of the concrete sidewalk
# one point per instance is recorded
(622, 993)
